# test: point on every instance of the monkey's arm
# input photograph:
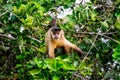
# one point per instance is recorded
(50, 51)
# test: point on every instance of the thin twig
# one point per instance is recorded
(8, 59)
(4, 13)
(97, 34)
(3, 35)
(112, 39)
(11, 13)
(90, 48)
(87, 53)
(2, 24)
(102, 34)
(15, 15)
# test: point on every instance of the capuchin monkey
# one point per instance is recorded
(55, 39)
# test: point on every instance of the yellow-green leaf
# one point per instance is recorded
(93, 16)
(1, 31)
(105, 24)
(34, 71)
(117, 24)
(55, 77)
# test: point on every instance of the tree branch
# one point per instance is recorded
(93, 33)
(34, 39)
(79, 76)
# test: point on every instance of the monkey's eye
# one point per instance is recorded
(56, 33)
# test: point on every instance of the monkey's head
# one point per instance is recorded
(56, 33)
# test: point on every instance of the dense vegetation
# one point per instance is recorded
(94, 27)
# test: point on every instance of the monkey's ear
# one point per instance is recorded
(62, 33)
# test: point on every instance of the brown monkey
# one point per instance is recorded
(55, 38)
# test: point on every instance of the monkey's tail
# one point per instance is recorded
(53, 22)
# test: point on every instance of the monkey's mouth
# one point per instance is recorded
(56, 38)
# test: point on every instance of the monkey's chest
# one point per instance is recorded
(59, 45)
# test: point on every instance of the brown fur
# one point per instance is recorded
(52, 44)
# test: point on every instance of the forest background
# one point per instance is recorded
(93, 26)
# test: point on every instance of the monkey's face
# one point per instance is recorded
(56, 33)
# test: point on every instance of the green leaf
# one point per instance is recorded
(55, 77)
(65, 65)
(28, 21)
(73, 0)
(117, 2)
(29, 66)
(89, 4)
(22, 8)
(117, 24)
(93, 15)
(1, 31)
(21, 56)
(116, 54)
(34, 71)
(15, 9)
(1, 1)
(105, 24)
(19, 65)
(38, 62)
(53, 65)
(118, 18)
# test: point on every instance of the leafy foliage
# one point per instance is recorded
(93, 26)
(116, 53)
(54, 69)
